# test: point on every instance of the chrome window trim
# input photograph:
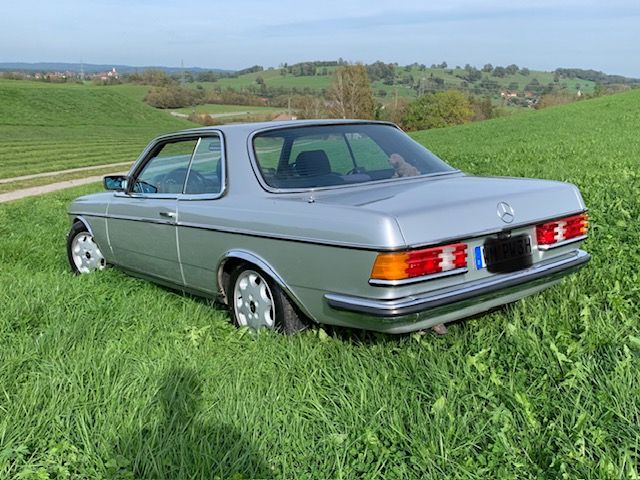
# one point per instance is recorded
(223, 171)
(255, 166)
(407, 281)
(187, 135)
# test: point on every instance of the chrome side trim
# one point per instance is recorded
(562, 244)
(184, 281)
(250, 257)
(252, 233)
(327, 243)
(423, 278)
(539, 273)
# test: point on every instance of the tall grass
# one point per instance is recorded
(106, 376)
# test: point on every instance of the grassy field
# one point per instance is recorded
(45, 127)
(106, 376)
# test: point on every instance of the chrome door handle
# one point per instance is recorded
(168, 214)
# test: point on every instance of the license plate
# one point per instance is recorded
(504, 255)
(480, 261)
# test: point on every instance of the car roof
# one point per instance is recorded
(249, 128)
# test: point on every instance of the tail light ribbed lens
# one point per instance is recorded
(418, 263)
(563, 229)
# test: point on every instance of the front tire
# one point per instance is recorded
(83, 253)
(258, 302)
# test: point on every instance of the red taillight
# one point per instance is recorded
(562, 230)
(418, 263)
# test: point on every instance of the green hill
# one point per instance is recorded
(47, 127)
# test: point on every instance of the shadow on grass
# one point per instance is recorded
(182, 444)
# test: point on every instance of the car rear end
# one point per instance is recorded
(513, 249)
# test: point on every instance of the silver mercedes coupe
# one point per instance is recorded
(348, 223)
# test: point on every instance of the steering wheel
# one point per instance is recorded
(174, 180)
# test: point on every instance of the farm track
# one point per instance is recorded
(61, 172)
(52, 187)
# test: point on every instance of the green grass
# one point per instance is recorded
(47, 127)
(106, 376)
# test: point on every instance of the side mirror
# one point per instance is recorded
(117, 183)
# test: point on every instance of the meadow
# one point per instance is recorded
(48, 127)
(106, 376)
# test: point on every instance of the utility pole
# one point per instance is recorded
(81, 70)
(182, 67)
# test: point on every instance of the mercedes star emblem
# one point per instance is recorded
(505, 212)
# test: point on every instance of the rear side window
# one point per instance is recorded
(333, 155)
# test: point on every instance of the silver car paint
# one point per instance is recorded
(324, 244)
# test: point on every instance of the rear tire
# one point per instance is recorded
(258, 302)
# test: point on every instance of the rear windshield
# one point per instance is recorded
(332, 155)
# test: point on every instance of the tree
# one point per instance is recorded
(350, 93)
(499, 72)
(435, 110)
(488, 68)
(525, 71)
(512, 69)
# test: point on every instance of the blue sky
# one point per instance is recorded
(540, 34)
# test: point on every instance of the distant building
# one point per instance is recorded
(107, 76)
(508, 94)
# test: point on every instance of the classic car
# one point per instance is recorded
(349, 223)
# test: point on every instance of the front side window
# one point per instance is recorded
(167, 169)
(191, 166)
(333, 155)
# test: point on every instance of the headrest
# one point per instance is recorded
(312, 163)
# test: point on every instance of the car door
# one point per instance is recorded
(142, 220)
(199, 211)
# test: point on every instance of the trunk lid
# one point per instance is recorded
(430, 211)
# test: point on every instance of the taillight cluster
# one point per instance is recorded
(561, 230)
(418, 263)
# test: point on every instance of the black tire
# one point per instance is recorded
(287, 317)
(79, 228)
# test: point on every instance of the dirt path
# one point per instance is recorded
(62, 172)
(52, 187)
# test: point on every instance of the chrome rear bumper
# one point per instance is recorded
(444, 301)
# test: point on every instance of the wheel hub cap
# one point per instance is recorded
(253, 301)
(86, 254)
